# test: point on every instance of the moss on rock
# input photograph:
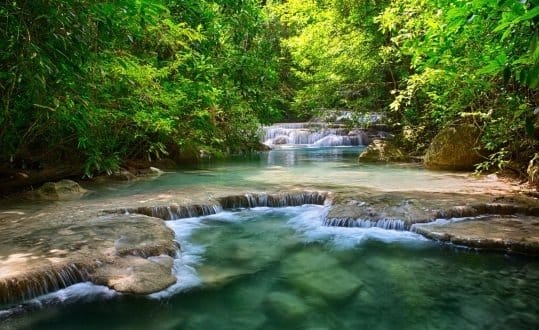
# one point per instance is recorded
(455, 148)
(382, 151)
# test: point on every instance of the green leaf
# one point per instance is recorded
(529, 14)
(533, 77)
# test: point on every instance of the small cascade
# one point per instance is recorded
(320, 135)
(273, 200)
(176, 212)
(33, 285)
(250, 200)
(389, 224)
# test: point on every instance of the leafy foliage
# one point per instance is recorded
(100, 81)
(468, 59)
(104, 81)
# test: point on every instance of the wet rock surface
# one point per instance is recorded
(519, 233)
(493, 223)
(61, 249)
(136, 275)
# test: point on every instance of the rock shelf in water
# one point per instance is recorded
(518, 234)
(59, 254)
(485, 222)
(129, 249)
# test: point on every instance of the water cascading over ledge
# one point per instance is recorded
(477, 210)
(54, 277)
(388, 224)
(274, 200)
(33, 284)
(318, 135)
(249, 200)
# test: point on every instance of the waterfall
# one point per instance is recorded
(273, 200)
(390, 224)
(175, 212)
(41, 282)
(312, 134)
(249, 200)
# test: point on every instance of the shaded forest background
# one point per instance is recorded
(96, 82)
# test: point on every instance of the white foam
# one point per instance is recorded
(80, 292)
(307, 220)
(310, 225)
(190, 256)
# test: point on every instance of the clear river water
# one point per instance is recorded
(281, 268)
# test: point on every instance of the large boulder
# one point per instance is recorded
(455, 148)
(64, 189)
(382, 151)
(533, 172)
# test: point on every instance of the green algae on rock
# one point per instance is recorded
(382, 151)
(455, 148)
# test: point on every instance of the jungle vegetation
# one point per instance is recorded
(100, 81)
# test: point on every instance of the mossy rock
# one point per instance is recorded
(64, 189)
(382, 151)
(455, 148)
(533, 172)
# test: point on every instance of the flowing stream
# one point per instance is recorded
(283, 268)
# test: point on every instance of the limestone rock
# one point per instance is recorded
(515, 234)
(118, 250)
(455, 148)
(64, 189)
(533, 172)
(382, 151)
(136, 275)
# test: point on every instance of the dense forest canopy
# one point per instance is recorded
(99, 81)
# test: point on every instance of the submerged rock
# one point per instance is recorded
(455, 148)
(382, 151)
(337, 284)
(286, 306)
(219, 276)
(319, 274)
(64, 189)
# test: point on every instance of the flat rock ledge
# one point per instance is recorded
(128, 253)
(517, 234)
(127, 249)
(131, 249)
(505, 225)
